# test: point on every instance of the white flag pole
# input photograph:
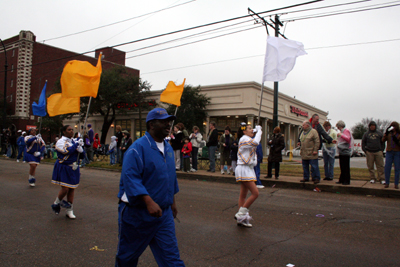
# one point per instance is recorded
(261, 99)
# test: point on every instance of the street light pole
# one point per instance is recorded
(5, 91)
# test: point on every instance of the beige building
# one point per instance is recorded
(230, 105)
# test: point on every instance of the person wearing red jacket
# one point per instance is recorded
(186, 150)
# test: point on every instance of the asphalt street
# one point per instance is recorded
(304, 228)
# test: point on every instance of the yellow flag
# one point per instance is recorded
(80, 79)
(57, 105)
(173, 93)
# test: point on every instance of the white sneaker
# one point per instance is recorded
(222, 172)
(24, 162)
(70, 214)
(260, 186)
(383, 182)
(193, 170)
(17, 160)
(372, 181)
(244, 220)
(228, 172)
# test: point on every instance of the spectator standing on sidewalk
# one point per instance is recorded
(195, 139)
(276, 144)
(234, 155)
(21, 145)
(126, 143)
(373, 146)
(177, 144)
(119, 136)
(322, 134)
(329, 151)
(212, 143)
(112, 149)
(392, 137)
(225, 142)
(309, 142)
(345, 146)
(186, 150)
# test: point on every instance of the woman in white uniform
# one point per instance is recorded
(247, 159)
(66, 170)
(34, 148)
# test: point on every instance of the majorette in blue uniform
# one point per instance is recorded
(66, 169)
(34, 148)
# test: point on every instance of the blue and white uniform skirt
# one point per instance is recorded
(64, 175)
(31, 159)
(245, 173)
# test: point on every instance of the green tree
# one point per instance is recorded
(362, 127)
(116, 86)
(192, 111)
(50, 126)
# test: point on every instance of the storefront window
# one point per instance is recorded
(125, 125)
(137, 127)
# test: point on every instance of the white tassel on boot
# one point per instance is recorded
(243, 217)
(70, 213)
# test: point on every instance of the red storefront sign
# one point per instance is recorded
(28, 127)
(298, 111)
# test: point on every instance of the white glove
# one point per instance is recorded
(37, 154)
(81, 143)
(79, 149)
(39, 136)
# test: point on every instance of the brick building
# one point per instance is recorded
(31, 63)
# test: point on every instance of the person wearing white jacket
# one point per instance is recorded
(247, 159)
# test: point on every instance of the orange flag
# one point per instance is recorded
(173, 93)
(80, 79)
(57, 105)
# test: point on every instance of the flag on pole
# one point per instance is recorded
(57, 105)
(173, 93)
(39, 109)
(280, 58)
(80, 79)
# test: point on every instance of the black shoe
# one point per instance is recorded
(268, 177)
(338, 183)
(276, 177)
(209, 170)
(346, 184)
(326, 179)
(304, 181)
(212, 171)
(316, 181)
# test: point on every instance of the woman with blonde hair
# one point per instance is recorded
(345, 141)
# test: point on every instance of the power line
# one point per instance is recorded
(194, 42)
(262, 55)
(340, 13)
(114, 23)
(170, 33)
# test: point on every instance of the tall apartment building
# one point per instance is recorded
(31, 63)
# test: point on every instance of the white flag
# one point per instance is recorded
(280, 58)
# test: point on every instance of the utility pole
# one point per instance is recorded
(277, 23)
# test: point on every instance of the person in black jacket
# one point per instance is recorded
(212, 143)
(118, 134)
(127, 142)
(177, 144)
(276, 144)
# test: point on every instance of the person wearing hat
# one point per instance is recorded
(147, 191)
(126, 143)
(21, 145)
(34, 148)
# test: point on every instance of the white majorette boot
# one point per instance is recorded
(31, 180)
(243, 217)
(70, 212)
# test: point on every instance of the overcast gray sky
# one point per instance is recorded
(351, 70)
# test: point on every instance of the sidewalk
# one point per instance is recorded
(356, 187)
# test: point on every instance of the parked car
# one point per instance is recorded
(295, 152)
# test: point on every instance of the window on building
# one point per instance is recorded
(12, 67)
(12, 83)
(125, 125)
(13, 52)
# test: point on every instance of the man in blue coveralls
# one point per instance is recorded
(147, 203)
